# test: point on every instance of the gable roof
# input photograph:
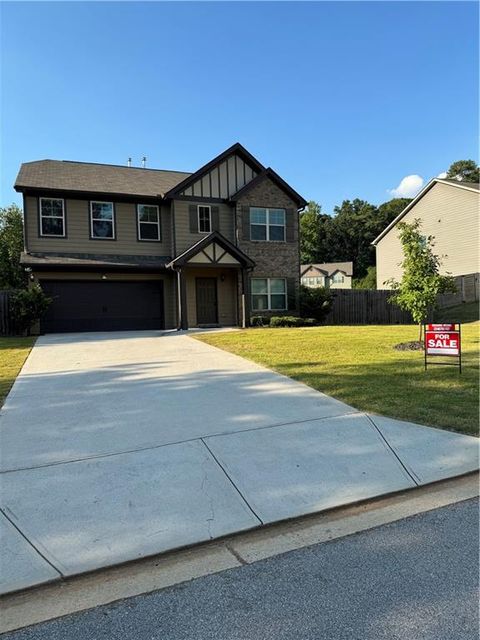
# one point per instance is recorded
(470, 186)
(213, 237)
(65, 175)
(276, 179)
(329, 268)
(235, 149)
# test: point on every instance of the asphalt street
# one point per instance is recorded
(416, 579)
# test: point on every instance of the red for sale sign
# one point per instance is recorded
(442, 340)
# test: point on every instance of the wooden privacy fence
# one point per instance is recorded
(467, 291)
(5, 324)
(365, 306)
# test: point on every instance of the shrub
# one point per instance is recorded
(316, 302)
(259, 321)
(286, 321)
(27, 306)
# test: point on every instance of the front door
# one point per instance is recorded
(207, 301)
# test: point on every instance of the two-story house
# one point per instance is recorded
(123, 248)
(332, 275)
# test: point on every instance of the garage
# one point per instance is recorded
(103, 306)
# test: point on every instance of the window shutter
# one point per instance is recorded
(215, 218)
(246, 222)
(290, 228)
(192, 210)
(291, 298)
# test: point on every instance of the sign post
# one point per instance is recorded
(443, 340)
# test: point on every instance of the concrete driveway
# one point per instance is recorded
(121, 445)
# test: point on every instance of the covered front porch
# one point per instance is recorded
(212, 283)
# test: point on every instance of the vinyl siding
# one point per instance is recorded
(184, 239)
(226, 294)
(223, 180)
(451, 215)
(168, 286)
(78, 240)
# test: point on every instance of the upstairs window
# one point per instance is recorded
(148, 221)
(204, 219)
(102, 224)
(52, 217)
(337, 278)
(269, 294)
(267, 224)
(312, 281)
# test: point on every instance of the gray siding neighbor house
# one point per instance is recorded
(119, 248)
(333, 275)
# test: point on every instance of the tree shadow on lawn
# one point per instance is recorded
(402, 389)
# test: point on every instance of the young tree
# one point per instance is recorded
(12, 275)
(464, 170)
(421, 282)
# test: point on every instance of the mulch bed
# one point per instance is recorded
(414, 345)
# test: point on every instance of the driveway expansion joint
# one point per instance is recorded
(29, 542)
(411, 474)
(231, 481)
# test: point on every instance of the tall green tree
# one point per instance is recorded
(12, 275)
(313, 234)
(464, 170)
(421, 283)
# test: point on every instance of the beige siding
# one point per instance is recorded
(222, 181)
(78, 239)
(451, 215)
(168, 286)
(226, 294)
(184, 239)
(346, 284)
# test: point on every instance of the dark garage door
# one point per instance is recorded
(103, 306)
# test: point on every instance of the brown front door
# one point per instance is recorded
(207, 301)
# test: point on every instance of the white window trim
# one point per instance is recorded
(92, 237)
(205, 206)
(52, 235)
(269, 294)
(267, 224)
(157, 223)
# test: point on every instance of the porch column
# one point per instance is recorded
(182, 297)
(245, 302)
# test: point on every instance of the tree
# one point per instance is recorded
(421, 282)
(27, 306)
(367, 282)
(12, 275)
(464, 170)
(313, 225)
(388, 211)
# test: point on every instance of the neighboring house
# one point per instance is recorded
(449, 211)
(333, 275)
(120, 248)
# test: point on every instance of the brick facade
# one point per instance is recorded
(272, 259)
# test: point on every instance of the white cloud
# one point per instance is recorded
(408, 187)
(442, 175)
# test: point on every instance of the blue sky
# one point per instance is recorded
(342, 99)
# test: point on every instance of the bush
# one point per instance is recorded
(286, 321)
(259, 321)
(316, 302)
(27, 306)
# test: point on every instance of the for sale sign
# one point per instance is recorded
(442, 340)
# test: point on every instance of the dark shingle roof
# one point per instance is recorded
(93, 260)
(330, 267)
(63, 175)
(463, 183)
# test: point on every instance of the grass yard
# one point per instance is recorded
(359, 366)
(13, 353)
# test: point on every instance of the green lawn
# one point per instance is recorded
(13, 353)
(359, 366)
